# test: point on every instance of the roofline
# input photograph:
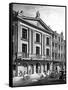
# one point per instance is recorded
(36, 19)
(46, 25)
(22, 20)
(40, 20)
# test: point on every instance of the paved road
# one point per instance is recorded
(46, 81)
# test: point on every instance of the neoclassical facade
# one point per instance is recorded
(36, 47)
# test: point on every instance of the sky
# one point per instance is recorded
(53, 16)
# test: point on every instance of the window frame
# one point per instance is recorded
(24, 48)
(39, 37)
(53, 44)
(26, 37)
(46, 52)
(56, 45)
(47, 43)
(55, 55)
(37, 47)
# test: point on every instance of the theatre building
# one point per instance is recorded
(36, 47)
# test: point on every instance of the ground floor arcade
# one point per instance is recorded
(30, 67)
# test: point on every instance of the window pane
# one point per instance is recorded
(59, 47)
(55, 55)
(55, 36)
(47, 52)
(37, 50)
(53, 44)
(47, 41)
(24, 33)
(59, 55)
(37, 37)
(59, 38)
(52, 54)
(24, 48)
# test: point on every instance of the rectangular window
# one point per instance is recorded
(37, 37)
(55, 36)
(47, 52)
(52, 35)
(55, 55)
(24, 48)
(59, 47)
(24, 33)
(53, 44)
(59, 55)
(47, 41)
(59, 39)
(37, 50)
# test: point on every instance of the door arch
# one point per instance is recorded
(48, 66)
(25, 68)
(38, 68)
(31, 69)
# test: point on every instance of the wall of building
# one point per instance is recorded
(31, 43)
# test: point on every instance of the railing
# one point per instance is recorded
(38, 56)
(48, 57)
(23, 55)
(26, 55)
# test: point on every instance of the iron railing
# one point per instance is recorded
(23, 55)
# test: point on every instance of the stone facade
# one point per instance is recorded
(36, 55)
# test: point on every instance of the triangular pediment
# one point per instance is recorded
(37, 22)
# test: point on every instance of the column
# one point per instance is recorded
(45, 67)
(34, 69)
(51, 65)
(51, 47)
(16, 70)
(28, 69)
(43, 44)
(31, 42)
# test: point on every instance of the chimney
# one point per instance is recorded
(62, 33)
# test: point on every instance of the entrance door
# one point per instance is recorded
(48, 66)
(38, 68)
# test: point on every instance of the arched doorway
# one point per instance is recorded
(48, 66)
(43, 67)
(31, 69)
(25, 68)
(38, 68)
